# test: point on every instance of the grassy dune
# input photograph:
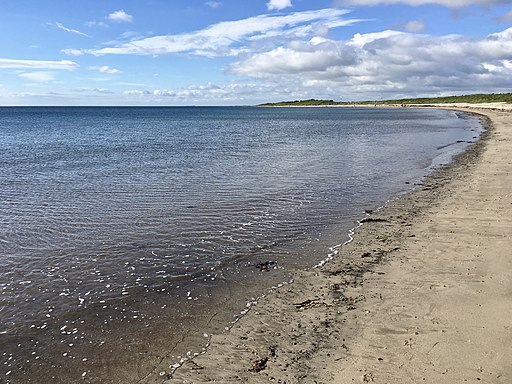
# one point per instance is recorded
(474, 99)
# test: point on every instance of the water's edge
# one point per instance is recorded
(438, 178)
(185, 320)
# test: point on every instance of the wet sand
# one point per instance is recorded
(422, 294)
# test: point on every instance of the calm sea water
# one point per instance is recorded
(100, 204)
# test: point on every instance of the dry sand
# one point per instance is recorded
(422, 295)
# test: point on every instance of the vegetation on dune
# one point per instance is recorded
(473, 99)
(313, 102)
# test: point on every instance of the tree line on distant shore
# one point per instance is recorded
(473, 99)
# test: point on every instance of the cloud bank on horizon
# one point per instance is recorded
(223, 53)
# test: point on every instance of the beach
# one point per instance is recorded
(421, 295)
(159, 257)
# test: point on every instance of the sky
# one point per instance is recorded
(245, 52)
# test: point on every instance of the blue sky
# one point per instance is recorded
(239, 52)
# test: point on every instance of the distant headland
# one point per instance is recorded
(471, 99)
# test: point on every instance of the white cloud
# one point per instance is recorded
(228, 38)
(414, 26)
(212, 94)
(110, 71)
(106, 69)
(294, 56)
(38, 64)
(164, 92)
(360, 40)
(130, 35)
(278, 4)
(388, 61)
(70, 30)
(447, 3)
(120, 16)
(38, 77)
(103, 91)
(72, 52)
(136, 92)
(285, 61)
(214, 4)
(94, 23)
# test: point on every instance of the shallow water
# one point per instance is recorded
(133, 218)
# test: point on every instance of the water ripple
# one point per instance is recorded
(94, 202)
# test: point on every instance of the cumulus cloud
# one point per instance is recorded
(295, 52)
(228, 38)
(136, 92)
(214, 4)
(120, 17)
(106, 69)
(447, 3)
(360, 40)
(110, 71)
(164, 92)
(102, 91)
(72, 52)
(38, 77)
(232, 93)
(299, 59)
(38, 64)
(278, 4)
(388, 61)
(414, 26)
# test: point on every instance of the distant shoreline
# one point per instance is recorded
(492, 106)
(474, 100)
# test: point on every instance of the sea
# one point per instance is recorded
(128, 235)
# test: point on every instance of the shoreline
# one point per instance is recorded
(496, 106)
(146, 333)
(368, 315)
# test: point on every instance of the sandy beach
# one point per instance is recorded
(423, 294)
